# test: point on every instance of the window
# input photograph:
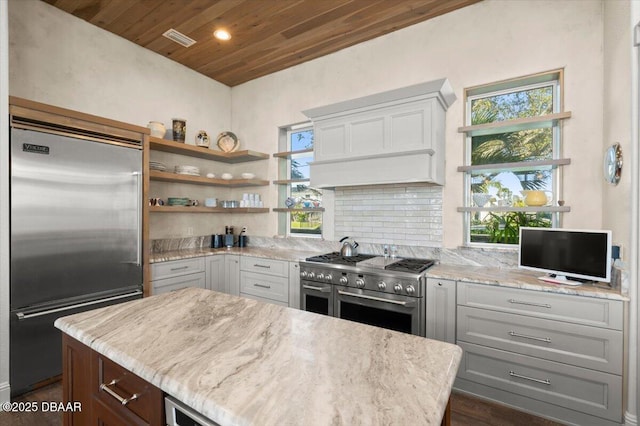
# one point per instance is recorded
(305, 218)
(512, 148)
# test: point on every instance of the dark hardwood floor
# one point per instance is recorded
(465, 411)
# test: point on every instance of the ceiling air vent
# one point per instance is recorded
(179, 38)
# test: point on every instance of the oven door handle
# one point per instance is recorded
(377, 299)
(320, 289)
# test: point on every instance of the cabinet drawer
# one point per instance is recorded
(577, 309)
(121, 384)
(176, 283)
(574, 344)
(264, 266)
(176, 268)
(265, 286)
(575, 388)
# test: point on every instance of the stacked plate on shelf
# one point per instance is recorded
(187, 170)
(156, 165)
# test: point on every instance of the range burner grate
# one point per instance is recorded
(411, 265)
(337, 259)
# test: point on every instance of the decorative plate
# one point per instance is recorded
(228, 142)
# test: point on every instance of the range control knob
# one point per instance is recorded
(344, 280)
(303, 274)
(311, 275)
(410, 289)
(360, 283)
(328, 278)
(382, 285)
(397, 288)
(320, 276)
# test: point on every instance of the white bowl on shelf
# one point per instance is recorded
(211, 175)
(248, 175)
(227, 176)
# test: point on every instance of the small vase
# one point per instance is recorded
(179, 129)
(157, 129)
(202, 139)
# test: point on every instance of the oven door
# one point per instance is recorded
(316, 297)
(395, 312)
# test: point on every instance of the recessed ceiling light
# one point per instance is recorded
(221, 34)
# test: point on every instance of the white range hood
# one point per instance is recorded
(390, 137)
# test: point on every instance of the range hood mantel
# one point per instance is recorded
(390, 137)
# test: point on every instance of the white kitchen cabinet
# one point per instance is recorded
(177, 274)
(555, 355)
(216, 279)
(294, 285)
(441, 310)
(264, 279)
(232, 273)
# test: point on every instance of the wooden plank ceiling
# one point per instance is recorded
(266, 35)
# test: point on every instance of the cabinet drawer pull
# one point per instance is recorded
(179, 268)
(261, 285)
(257, 265)
(520, 302)
(524, 336)
(533, 379)
(121, 400)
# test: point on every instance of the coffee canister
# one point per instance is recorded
(217, 241)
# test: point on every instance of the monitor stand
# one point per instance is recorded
(561, 279)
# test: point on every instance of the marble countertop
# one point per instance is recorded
(268, 253)
(506, 277)
(518, 278)
(242, 362)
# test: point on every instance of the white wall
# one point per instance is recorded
(483, 43)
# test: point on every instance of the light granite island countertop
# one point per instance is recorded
(238, 361)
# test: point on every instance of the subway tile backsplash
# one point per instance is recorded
(400, 214)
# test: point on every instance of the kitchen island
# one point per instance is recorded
(238, 361)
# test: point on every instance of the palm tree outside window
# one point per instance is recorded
(511, 152)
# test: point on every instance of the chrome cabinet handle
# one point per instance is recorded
(179, 268)
(321, 289)
(533, 379)
(261, 285)
(121, 400)
(524, 336)
(540, 305)
(377, 299)
(262, 266)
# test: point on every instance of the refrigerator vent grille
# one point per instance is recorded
(179, 38)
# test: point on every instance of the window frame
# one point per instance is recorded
(554, 78)
(290, 130)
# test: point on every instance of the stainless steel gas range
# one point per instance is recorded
(374, 290)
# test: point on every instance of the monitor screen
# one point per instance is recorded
(583, 254)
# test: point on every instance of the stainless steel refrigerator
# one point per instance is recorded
(76, 229)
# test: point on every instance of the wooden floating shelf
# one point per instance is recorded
(190, 209)
(290, 181)
(304, 209)
(172, 147)
(529, 209)
(517, 166)
(290, 154)
(199, 180)
(514, 125)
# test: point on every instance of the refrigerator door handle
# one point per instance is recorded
(26, 315)
(138, 176)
